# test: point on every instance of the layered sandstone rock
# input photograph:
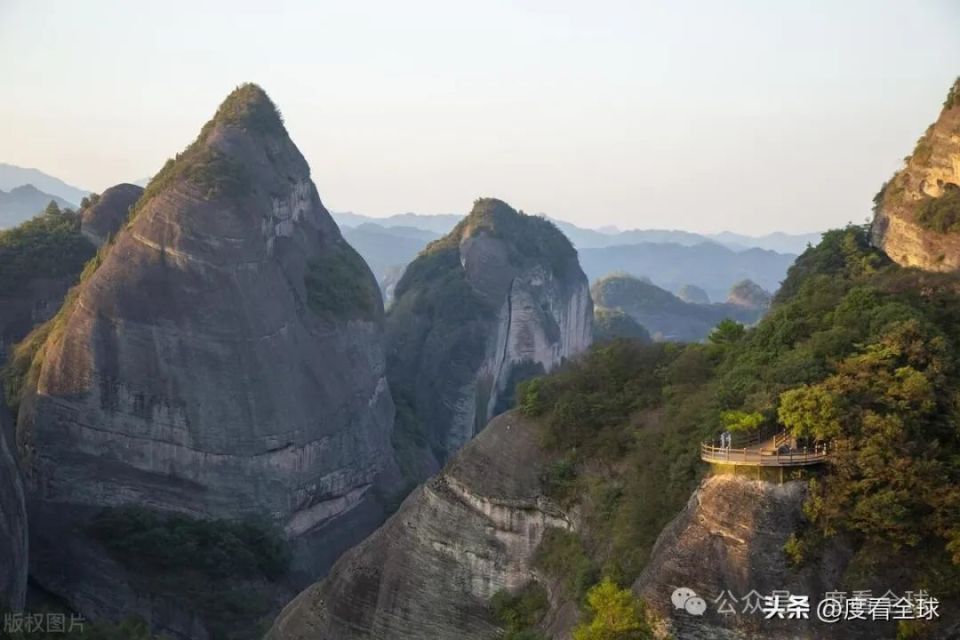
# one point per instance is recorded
(729, 541)
(223, 361)
(906, 225)
(430, 571)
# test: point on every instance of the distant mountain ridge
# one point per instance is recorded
(710, 266)
(584, 238)
(670, 259)
(667, 317)
(13, 176)
(25, 201)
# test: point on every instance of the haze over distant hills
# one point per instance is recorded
(13, 176)
(710, 266)
(24, 202)
(584, 238)
(671, 259)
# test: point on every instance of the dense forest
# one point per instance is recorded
(856, 351)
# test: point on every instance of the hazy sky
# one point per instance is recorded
(749, 115)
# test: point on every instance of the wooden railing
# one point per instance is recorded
(751, 439)
(764, 457)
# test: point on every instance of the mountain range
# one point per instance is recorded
(24, 201)
(211, 426)
(13, 176)
(671, 259)
(584, 238)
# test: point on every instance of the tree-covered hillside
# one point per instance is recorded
(666, 316)
(856, 351)
(47, 246)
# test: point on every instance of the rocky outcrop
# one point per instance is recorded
(612, 324)
(106, 216)
(498, 299)
(749, 294)
(729, 541)
(223, 360)
(693, 293)
(430, 571)
(917, 213)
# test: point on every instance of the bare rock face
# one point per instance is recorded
(223, 361)
(693, 293)
(430, 571)
(106, 216)
(917, 213)
(730, 540)
(749, 294)
(500, 298)
(38, 301)
(13, 526)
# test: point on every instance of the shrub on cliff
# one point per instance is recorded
(158, 542)
(941, 214)
(615, 614)
(338, 284)
(519, 612)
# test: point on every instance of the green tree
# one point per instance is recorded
(727, 332)
(741, 421)
(614, 615)
(810, 411)
(53, 209)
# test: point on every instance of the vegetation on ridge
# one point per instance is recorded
(937, 214)
(222, 569)
(856, 350)
(339, 284)
(47, 246)
(214, 174)
(439, 320)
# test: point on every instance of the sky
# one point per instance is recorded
(745, 115)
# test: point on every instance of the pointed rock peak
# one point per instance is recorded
(497, 217)
(535, 236)
(245, 134)
(249, 107)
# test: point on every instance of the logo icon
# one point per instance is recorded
(688, 600)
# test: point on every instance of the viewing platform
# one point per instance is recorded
(773, 451)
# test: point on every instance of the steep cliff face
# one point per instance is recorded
(106, 216)
(431, 570)
(499, 298)
(224, 360)
(729, 542)
(730, 539)
(13, 526)
(917, 213)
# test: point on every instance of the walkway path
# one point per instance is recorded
(766, 453)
